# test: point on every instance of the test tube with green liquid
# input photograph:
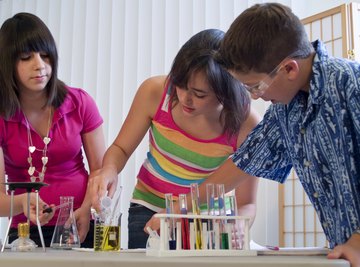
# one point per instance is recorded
(210, 200)
(222, 212)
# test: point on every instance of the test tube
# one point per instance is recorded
(210, 199)
(221, 199)
(184, 222)
(171, 224)
(196, 211)
(222, 212)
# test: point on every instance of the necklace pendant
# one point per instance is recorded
(44, 160)
(32, 149)
(29, 159)
(46, 140)
(31, 170)
(33, 179)
(41, 176)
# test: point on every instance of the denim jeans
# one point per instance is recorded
(138, 217)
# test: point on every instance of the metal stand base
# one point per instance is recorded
(29, 186)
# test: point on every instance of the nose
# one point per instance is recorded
(188, 97)
(38, 61)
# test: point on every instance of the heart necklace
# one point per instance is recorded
(35, 174)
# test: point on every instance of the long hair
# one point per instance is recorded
(199, 53)
(24, 33)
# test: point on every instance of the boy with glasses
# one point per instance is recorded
(313, 124)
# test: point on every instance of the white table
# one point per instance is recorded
(63, 258)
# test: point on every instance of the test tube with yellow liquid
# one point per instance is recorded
(194, 189)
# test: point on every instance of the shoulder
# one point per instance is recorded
(151, 90)
(153, 85)
(79, 97)
(77, 93)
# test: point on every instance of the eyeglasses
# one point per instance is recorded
(260, 88)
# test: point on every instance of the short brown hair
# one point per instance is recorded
(262, 36)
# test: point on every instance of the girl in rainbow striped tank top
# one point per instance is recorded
(196, 117)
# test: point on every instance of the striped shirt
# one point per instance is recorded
(176, 159)
(318, 134)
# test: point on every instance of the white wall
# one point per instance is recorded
(109, 47)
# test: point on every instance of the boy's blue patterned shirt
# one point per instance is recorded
(318, 134)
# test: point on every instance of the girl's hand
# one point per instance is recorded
(82, 217)
(101, 181)
(44, 217)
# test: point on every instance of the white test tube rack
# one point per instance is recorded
(162, 249)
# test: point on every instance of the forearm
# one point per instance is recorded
(5, 201)
(115, 159)
(228, 174)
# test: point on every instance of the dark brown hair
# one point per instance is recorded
(261, 37)
(24, 33)
(199, 53)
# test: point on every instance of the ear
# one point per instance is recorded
(292, 69)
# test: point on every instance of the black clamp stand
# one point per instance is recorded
(29, 186)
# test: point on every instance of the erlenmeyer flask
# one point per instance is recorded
(65, 234)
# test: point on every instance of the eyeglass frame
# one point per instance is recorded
(259, 88)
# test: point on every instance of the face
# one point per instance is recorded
(33, 71)
(198, 98)
(276, 88)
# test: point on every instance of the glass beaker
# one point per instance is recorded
(108, 224)
(65, 234)
(107, 234)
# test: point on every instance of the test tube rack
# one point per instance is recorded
(162, 248)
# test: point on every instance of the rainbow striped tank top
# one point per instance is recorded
(176, 159)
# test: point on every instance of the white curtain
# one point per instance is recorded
(109, 47)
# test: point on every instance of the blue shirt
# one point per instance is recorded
(317, 133)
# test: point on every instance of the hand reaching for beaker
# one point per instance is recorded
(44, 217)
(102, 181)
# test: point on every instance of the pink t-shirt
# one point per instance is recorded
(65, 173)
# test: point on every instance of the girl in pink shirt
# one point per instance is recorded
(44, 125)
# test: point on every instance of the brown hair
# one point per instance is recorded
(262, 36)
(199, 53)
(24, 33)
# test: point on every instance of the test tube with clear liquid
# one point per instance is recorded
(169, 205)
